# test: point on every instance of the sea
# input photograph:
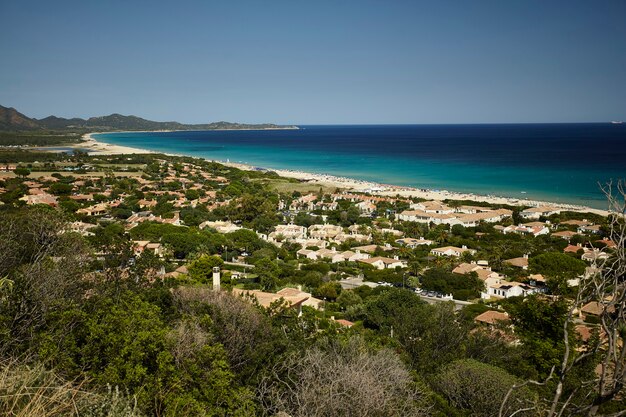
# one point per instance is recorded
(564, 163)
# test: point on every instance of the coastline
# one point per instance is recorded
(94, 147)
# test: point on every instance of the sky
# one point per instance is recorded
(317, 62)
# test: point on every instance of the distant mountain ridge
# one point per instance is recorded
(11, 119)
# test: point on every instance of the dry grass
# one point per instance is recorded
(33, 391)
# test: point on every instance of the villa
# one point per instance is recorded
(381, 262)
(452, 251)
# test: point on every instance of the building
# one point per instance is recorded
(220, 226)
(484, 273)
(518, 262)
(452, 251)
(537, 212)
(380, 262)
(510, 289)
(288, 232)
(265, 299)
(412, 243)
(492, 318)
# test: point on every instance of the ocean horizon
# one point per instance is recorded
(557, 162)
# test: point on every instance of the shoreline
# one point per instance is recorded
(94, 147)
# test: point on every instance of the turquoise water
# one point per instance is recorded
(554, 162)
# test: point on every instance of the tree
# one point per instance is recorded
(575, 385)
(45, 267)
(22, 172)
(328, 290)
(246, 334)
(340, 379)
(201, 269)
(480, 389)
(348, 299)
(268, 272)
(557, 267)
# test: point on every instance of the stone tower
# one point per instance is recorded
(216, 278)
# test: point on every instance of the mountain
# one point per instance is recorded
(11, 119)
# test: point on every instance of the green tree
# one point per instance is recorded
(480, 389)
(201, 269)
(268, 272)
(329, 291)
(348, 299)
(22, 172)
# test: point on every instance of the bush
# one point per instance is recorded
(480, 389)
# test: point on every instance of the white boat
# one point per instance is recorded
(617, 122)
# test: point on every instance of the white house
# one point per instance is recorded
(381, 262)
(412, 243)
(536, 212)
(288, 231)
(510, 289)
(434, 207)
(452, 251)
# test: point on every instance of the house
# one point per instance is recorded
(566, 234)
(537, 212)
(492, 318)
(324, 231)
(372, 248)
(518, 262)
(366, 207)
(393, 232)
(573, 248)
(181, 270)
(308, 254)
(489, 216)
(593, 229)
(380, 262)
(484, 273)
(510, 289)
(434, 207)
(412, 243)
(140, 246)
(595, 308)
(43, 198)
(420, 216)
(535, 229)
(289, 232)
(608, 243)
(594, 255)
(344, 323)
(344, 237)
(220, 226)
(265, 299)
(349, 256)
(310, 301)
(452, 251)
(139, 217)
(95, 210)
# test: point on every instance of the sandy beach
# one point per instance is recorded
(350, 184)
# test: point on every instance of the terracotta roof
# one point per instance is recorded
(519, 262)
(491, 317)
(594, 308)
(265, 299)
(345, 323)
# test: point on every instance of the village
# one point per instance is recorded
(306, 248)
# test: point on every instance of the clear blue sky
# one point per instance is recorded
(310, 62)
